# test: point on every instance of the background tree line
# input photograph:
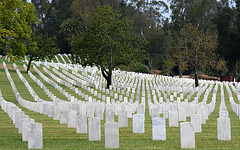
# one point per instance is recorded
(200, 35)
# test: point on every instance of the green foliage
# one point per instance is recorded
(197, 12)
(195, 49)
(108, 41)
(16, 19)
(54, 15)
(137, 67)
(41, 47)
(83, 10)
(228, 24)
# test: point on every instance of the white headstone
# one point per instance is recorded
(223, 128)
(71, 119)
(94, 129)
(35, 139)
(196, 122)
(63, 116)
(109, 114)
(81, 124)
(187, 135)
(111, 135)
(122, 118)
(138, 123)
(173, 118)
(158, 128)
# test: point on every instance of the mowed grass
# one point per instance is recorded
(58, 136)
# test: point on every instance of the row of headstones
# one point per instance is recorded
(188, 129)
(32, 92)
(111, 93)
(67, 84)
(235, 90)
(116, 93)
(30, 130)
(54, 84)
(76, 89)
(62, 58)
(223, 122)
(68, 58)
(107, 98)
(226, 133)
(41, 107)
(56, 58)
(35, 136)
(235, 106)
(30, 89)
(92, 124)
(179, 111)
(136, 76)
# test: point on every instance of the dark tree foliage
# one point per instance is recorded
(108, 42)
(227, 21)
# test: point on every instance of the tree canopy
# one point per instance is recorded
(16, 19)
(41, 47)
(108, 42)
(195, 49)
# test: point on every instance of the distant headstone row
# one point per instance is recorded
(30, 130)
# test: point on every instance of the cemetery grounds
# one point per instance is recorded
(59, 136)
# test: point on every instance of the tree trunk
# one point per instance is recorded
(109, 79)
(29, 64)
(72, 50)
(108, 76)
(150, 63)
(196, 78)
(236, 71)
(180, 71)
(72, 57)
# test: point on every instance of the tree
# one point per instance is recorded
(54, 15)
(83, 10)
(156, 47)
(108, 42)
(41, 47)
(16, 19)
(197, 12)
(195, 49)
(228, 25)
(148, 18)
(70, 27)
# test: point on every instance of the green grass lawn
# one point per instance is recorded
(58, 136)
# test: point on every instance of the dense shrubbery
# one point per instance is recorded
(137, 67)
